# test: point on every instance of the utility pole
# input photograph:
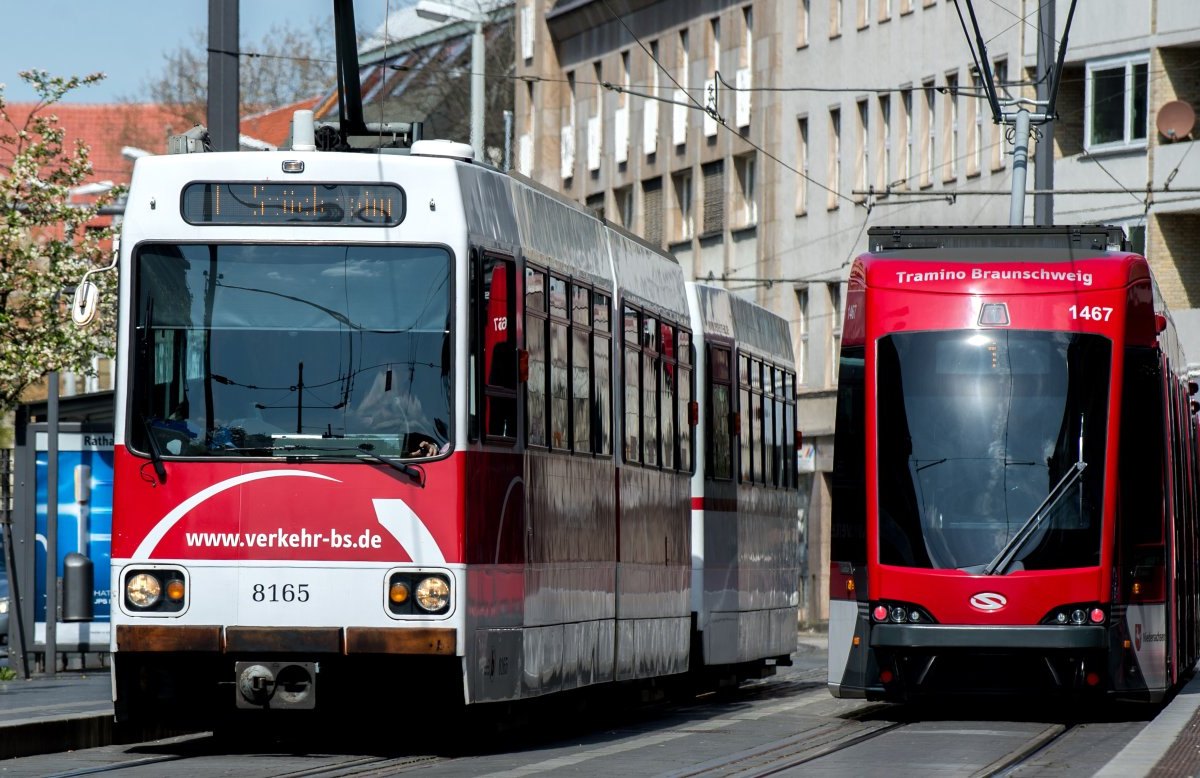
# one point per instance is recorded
(223, 74)
(1019, 114)
(1043, 181)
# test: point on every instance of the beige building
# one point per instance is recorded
(757, 140)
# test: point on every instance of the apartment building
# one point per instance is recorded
(758, 140)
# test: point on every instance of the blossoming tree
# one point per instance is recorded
(47, 243)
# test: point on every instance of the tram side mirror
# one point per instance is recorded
(1192, 387)
(85, 303)
(1195, 407)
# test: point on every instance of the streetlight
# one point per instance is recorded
(442, 12)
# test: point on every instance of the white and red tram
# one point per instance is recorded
(401, 423)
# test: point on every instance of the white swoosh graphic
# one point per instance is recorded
(150, 542)
(409, 531)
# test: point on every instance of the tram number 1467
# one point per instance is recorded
(1090, 312)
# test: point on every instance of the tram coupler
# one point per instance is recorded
(262, 685)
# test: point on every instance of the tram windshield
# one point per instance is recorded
(979, 434)
(291, 350)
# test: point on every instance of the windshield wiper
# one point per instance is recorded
(156, 455)
(414, 473)
(366, 449)
(1007, 554)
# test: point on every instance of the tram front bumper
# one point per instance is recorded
(938, 637)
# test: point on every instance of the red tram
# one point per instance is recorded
(1015, 479)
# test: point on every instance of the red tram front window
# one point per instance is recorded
(991, 449)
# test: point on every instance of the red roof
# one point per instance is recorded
(275, 127)
(107, 129)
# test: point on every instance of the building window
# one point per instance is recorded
(747, 199)
(835, 158)
(950, 129)
(596, 203)
(681, 113)
(976, 108)
(906, 159)
(744, 75)
(652, 211)
(835, 18)
(884, 144)
(802, 23)
(861, 14)
(885, 10)
(714, 197)
(928, 130)
(621, 119)
(650, 107)
(623, 205)
(568, 129)
(527, 32)
(685, 224)
(906, 7)
(1115, 102)
(802, 336)
(802, 166)
(862, 150)
(1000, 79)
(595, 125)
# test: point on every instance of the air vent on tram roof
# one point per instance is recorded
(442, 148)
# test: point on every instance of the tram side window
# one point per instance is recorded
(601, 423)
(848, 523)
(632, 381)
(1140, 484)
(719, 418)
(666, 395)
(500, 347)
(559, 377)
(535, 343)
(650, 377)
(581, 368)
(745, 417)
(684, 397)
(787, 438)
(770, 466)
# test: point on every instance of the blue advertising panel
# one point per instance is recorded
(84, 491)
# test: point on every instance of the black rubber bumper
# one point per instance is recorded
(941, 636)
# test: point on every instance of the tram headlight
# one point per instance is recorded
(143, 590)
(433, 594)
(156, 591)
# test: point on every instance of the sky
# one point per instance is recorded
(126, 39)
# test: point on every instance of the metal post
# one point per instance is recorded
(477, 54)
(1016, 210)
(51, 522)
(1043, 171)
(223, 74)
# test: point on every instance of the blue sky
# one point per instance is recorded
(127, 38)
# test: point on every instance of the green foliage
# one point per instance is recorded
(46, 245)
(7, 674)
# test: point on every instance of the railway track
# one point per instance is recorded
(787, 725)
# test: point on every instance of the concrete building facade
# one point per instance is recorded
(758, 140)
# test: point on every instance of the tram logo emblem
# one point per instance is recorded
(988, 601)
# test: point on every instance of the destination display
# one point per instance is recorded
(325, 204)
